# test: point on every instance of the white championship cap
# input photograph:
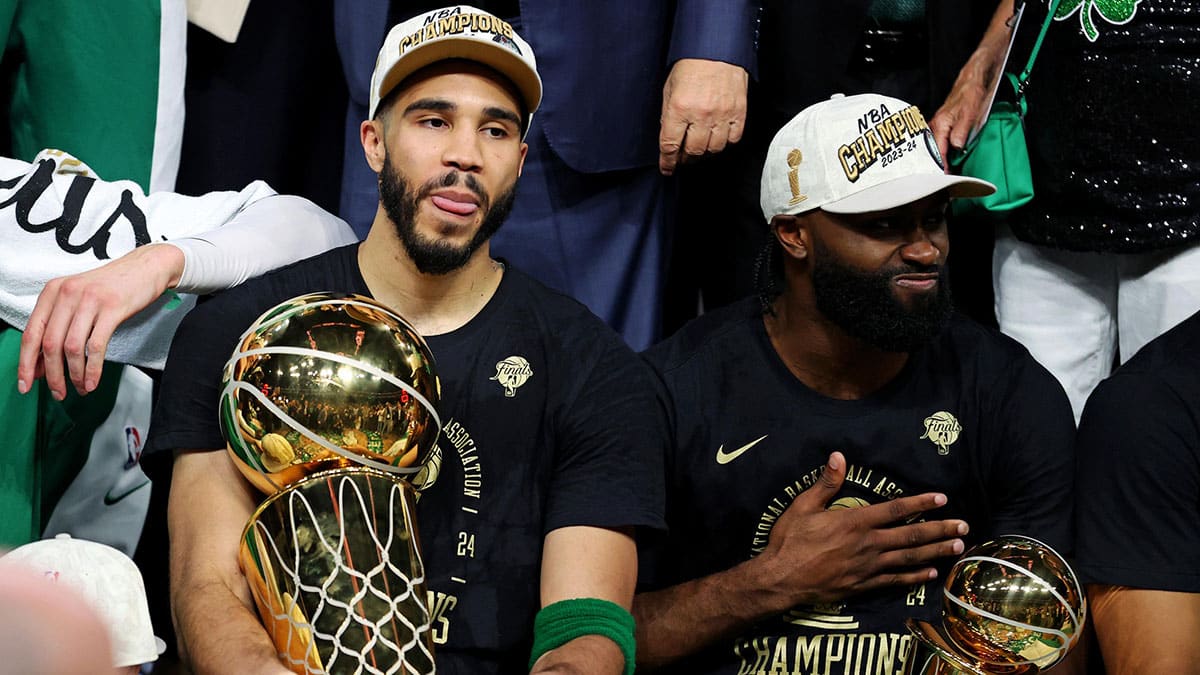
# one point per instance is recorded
(108, 580)
(857, 154)
(457, 32)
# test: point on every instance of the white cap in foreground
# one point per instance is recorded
(108, 580)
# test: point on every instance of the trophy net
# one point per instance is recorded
(336, 573)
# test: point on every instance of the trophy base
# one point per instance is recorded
(946, 659)
(333, 564)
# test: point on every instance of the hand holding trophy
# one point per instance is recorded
(327, 401)
(1011, 605)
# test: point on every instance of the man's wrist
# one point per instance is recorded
(767, 583)
(169, 260)
(599, 652)
(562, 623)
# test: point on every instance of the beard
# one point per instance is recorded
(430, 255)
(865, 305)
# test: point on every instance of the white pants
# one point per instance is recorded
(1076, 312)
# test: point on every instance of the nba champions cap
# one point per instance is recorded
(108, 580)
(458, 32)
(857, 154)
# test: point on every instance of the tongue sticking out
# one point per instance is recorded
(460, 208)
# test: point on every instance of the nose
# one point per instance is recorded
(463, 151)
(920, 247)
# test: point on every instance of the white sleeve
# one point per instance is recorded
(265, 235)
(58, 219)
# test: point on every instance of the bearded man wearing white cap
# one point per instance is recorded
(536, 496)
(838, 440)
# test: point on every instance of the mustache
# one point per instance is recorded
(913, 268)
(451, 179)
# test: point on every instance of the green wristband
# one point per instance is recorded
(559, 623)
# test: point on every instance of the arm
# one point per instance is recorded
(964, 106)
(587, 562)
(76, 316)
(813, 556)
(218, 629)
(1146, 631)
(264, 236)
(704, 97)
(1138, 539)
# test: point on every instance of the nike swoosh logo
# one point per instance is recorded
(727, 457)
(109, 499)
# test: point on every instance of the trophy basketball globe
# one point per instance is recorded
(1011, 605)
(327, 402)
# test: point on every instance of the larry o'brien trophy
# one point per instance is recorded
(327, 401)
(1011, 605)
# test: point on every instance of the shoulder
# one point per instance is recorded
(714, 333)
(554, 317)
(1172, 358)
(969, 339)
(1152, 396)
(1002, 376)
(988, 356)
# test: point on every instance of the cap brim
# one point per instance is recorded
(502, 59)
(907, 189)
(137, 655)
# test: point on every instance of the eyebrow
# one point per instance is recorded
(442, 105)
(432, 104)
(502, 114)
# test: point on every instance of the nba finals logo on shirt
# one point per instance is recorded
(511, 373)
(942, 429)
(453, 21)
(883, 137)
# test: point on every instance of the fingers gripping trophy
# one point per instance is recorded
(328, 401)
(1011, 605)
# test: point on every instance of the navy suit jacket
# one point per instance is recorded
(603, 65)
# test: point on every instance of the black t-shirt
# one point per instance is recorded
(580, 442)
(972, 416)
(1138, 496)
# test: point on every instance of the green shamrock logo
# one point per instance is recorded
(1116, 12)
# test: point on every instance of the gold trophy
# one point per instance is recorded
(1011, 605)
(328, 400)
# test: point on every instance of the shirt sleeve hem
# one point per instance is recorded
(1139, 578)
(642, 518)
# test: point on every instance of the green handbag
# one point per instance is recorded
(998, 153)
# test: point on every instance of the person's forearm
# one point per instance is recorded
(211, 603)
(265, 235)
(985, 63)
(218, 634)
(681, 620)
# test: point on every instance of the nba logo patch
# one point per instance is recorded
(133, 447)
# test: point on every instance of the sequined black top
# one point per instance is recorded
(1114, 128)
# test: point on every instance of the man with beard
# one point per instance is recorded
(840, 439)
(535, 499)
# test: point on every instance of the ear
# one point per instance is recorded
(793, 235)
(521, 165)
(371, 134)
